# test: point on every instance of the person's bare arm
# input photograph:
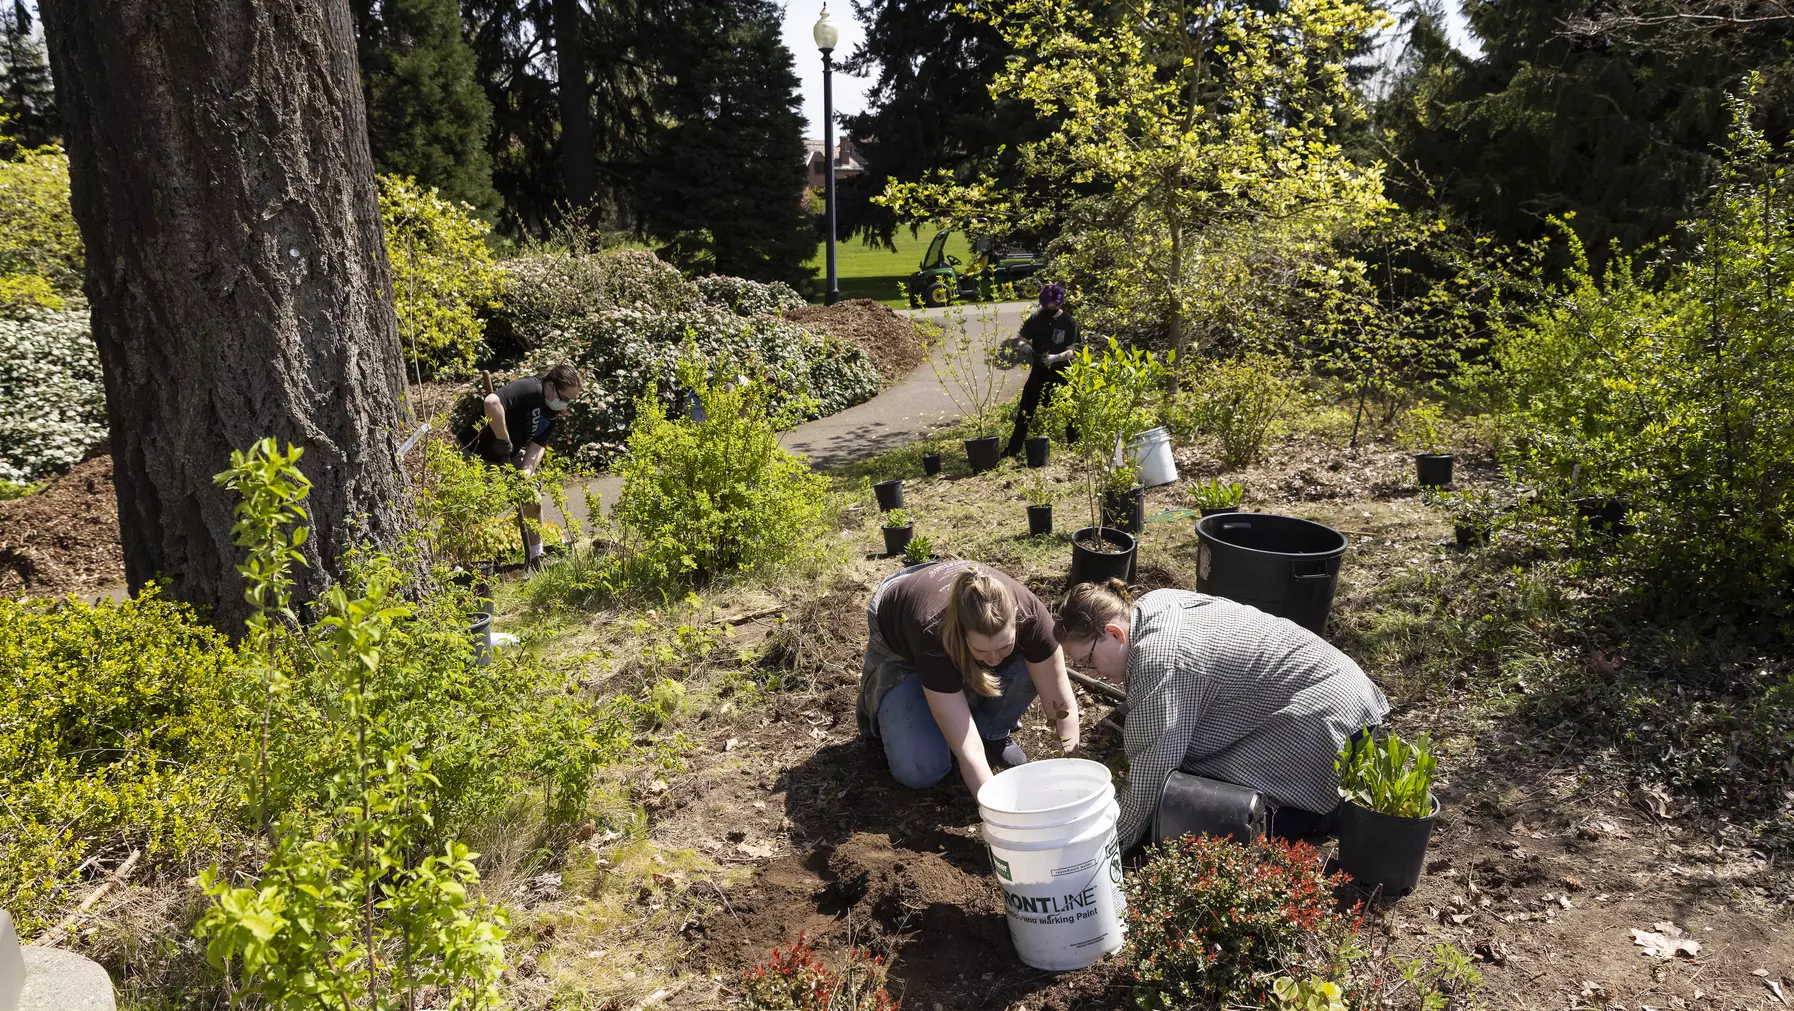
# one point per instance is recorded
(532, 457)
(495, 416)
(954, 718)
(1056, 699)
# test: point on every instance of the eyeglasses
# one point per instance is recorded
(1090, 657)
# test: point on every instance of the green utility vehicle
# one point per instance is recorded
(942, 279)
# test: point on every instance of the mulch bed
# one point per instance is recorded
(892, 341)
(63, 539)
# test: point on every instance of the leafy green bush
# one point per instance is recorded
(52, 400)
(468, 508)
(1675, 396)
(1107, 399)
(38, 234)
(1390, 776)
(1423, 429)
(1213, 923)
(748, 298)
(551, 289)
(120, 723)
(1237, 403)
(631, 354)
(707, 498)
(443, 275)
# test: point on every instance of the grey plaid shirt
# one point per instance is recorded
(1229, 692)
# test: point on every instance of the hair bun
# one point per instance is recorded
(1118, 587)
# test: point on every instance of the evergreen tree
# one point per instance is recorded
(1618, 131)
(930, 108)
(726, 173)
(27, 102)
(427, 114)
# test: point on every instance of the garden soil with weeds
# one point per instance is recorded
(1548, 855)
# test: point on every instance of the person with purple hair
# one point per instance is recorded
(1053, 335)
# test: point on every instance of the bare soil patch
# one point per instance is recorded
(63, 538)
(892, 341)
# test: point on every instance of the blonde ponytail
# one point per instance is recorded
(979, 603)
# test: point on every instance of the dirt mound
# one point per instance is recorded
(894, 344)
(63, 539)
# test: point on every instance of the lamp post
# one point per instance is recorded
(827, 33)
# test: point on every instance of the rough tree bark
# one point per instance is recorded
(578, 158)
(219, 170)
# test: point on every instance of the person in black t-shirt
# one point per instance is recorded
(1053, 335)
(518, 419)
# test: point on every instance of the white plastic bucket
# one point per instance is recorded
(1152, 456)
(1050, 829)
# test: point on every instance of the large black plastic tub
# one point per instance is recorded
(1279, 564)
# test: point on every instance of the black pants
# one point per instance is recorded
(1041, 380)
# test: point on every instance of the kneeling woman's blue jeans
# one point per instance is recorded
(914, 746)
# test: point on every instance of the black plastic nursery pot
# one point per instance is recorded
(1125, 510)
(931, 464)
(479, 629)
(1038, 449)
(1433, 470)
(890, 495)
(1604, 515)
(1279, 564)
(1040, 520)
(983, 454)
(1218, 510)
(477, 582)
(1099, 554)
(1470, 535)
(897, 538)
(1381, 851)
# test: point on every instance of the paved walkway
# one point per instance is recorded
(901, 414)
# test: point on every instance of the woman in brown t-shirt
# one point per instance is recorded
(955, 653)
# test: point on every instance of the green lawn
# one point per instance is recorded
(874, 271)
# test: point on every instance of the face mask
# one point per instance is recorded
(557, 404)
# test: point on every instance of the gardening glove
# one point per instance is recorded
(498, 451)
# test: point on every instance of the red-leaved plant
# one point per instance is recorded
(795, 979)
(1213, 923)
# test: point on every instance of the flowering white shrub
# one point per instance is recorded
(545, 291)
(626, 352)
(52, 401)
(748, 298)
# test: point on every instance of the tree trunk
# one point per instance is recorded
(578, 161)
(237, 273)
(1176, 292)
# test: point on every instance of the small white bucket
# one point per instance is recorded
(1152, 455)
(1050, 829)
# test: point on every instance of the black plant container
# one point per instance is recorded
(1038, 449)
(897, 538)
(1040, 520)
(1218, 510)
(1604, 515)
(983, 454)
(1126, 510)
(1471, 534)
(1433, 470)
(1381, 851)
(1101, 553)
(931, 464)
(890, 495)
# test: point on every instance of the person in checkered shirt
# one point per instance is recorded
(1225, 691)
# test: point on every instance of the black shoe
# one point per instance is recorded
(1004, 752)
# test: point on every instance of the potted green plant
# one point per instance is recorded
(1423, 433)
(1387, 811)
(898, 530)
(1105, 399)
(1040, 506)
(971, 382)
(1213, 497)
(931, 461)
(1472, 514)
(919, 550)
